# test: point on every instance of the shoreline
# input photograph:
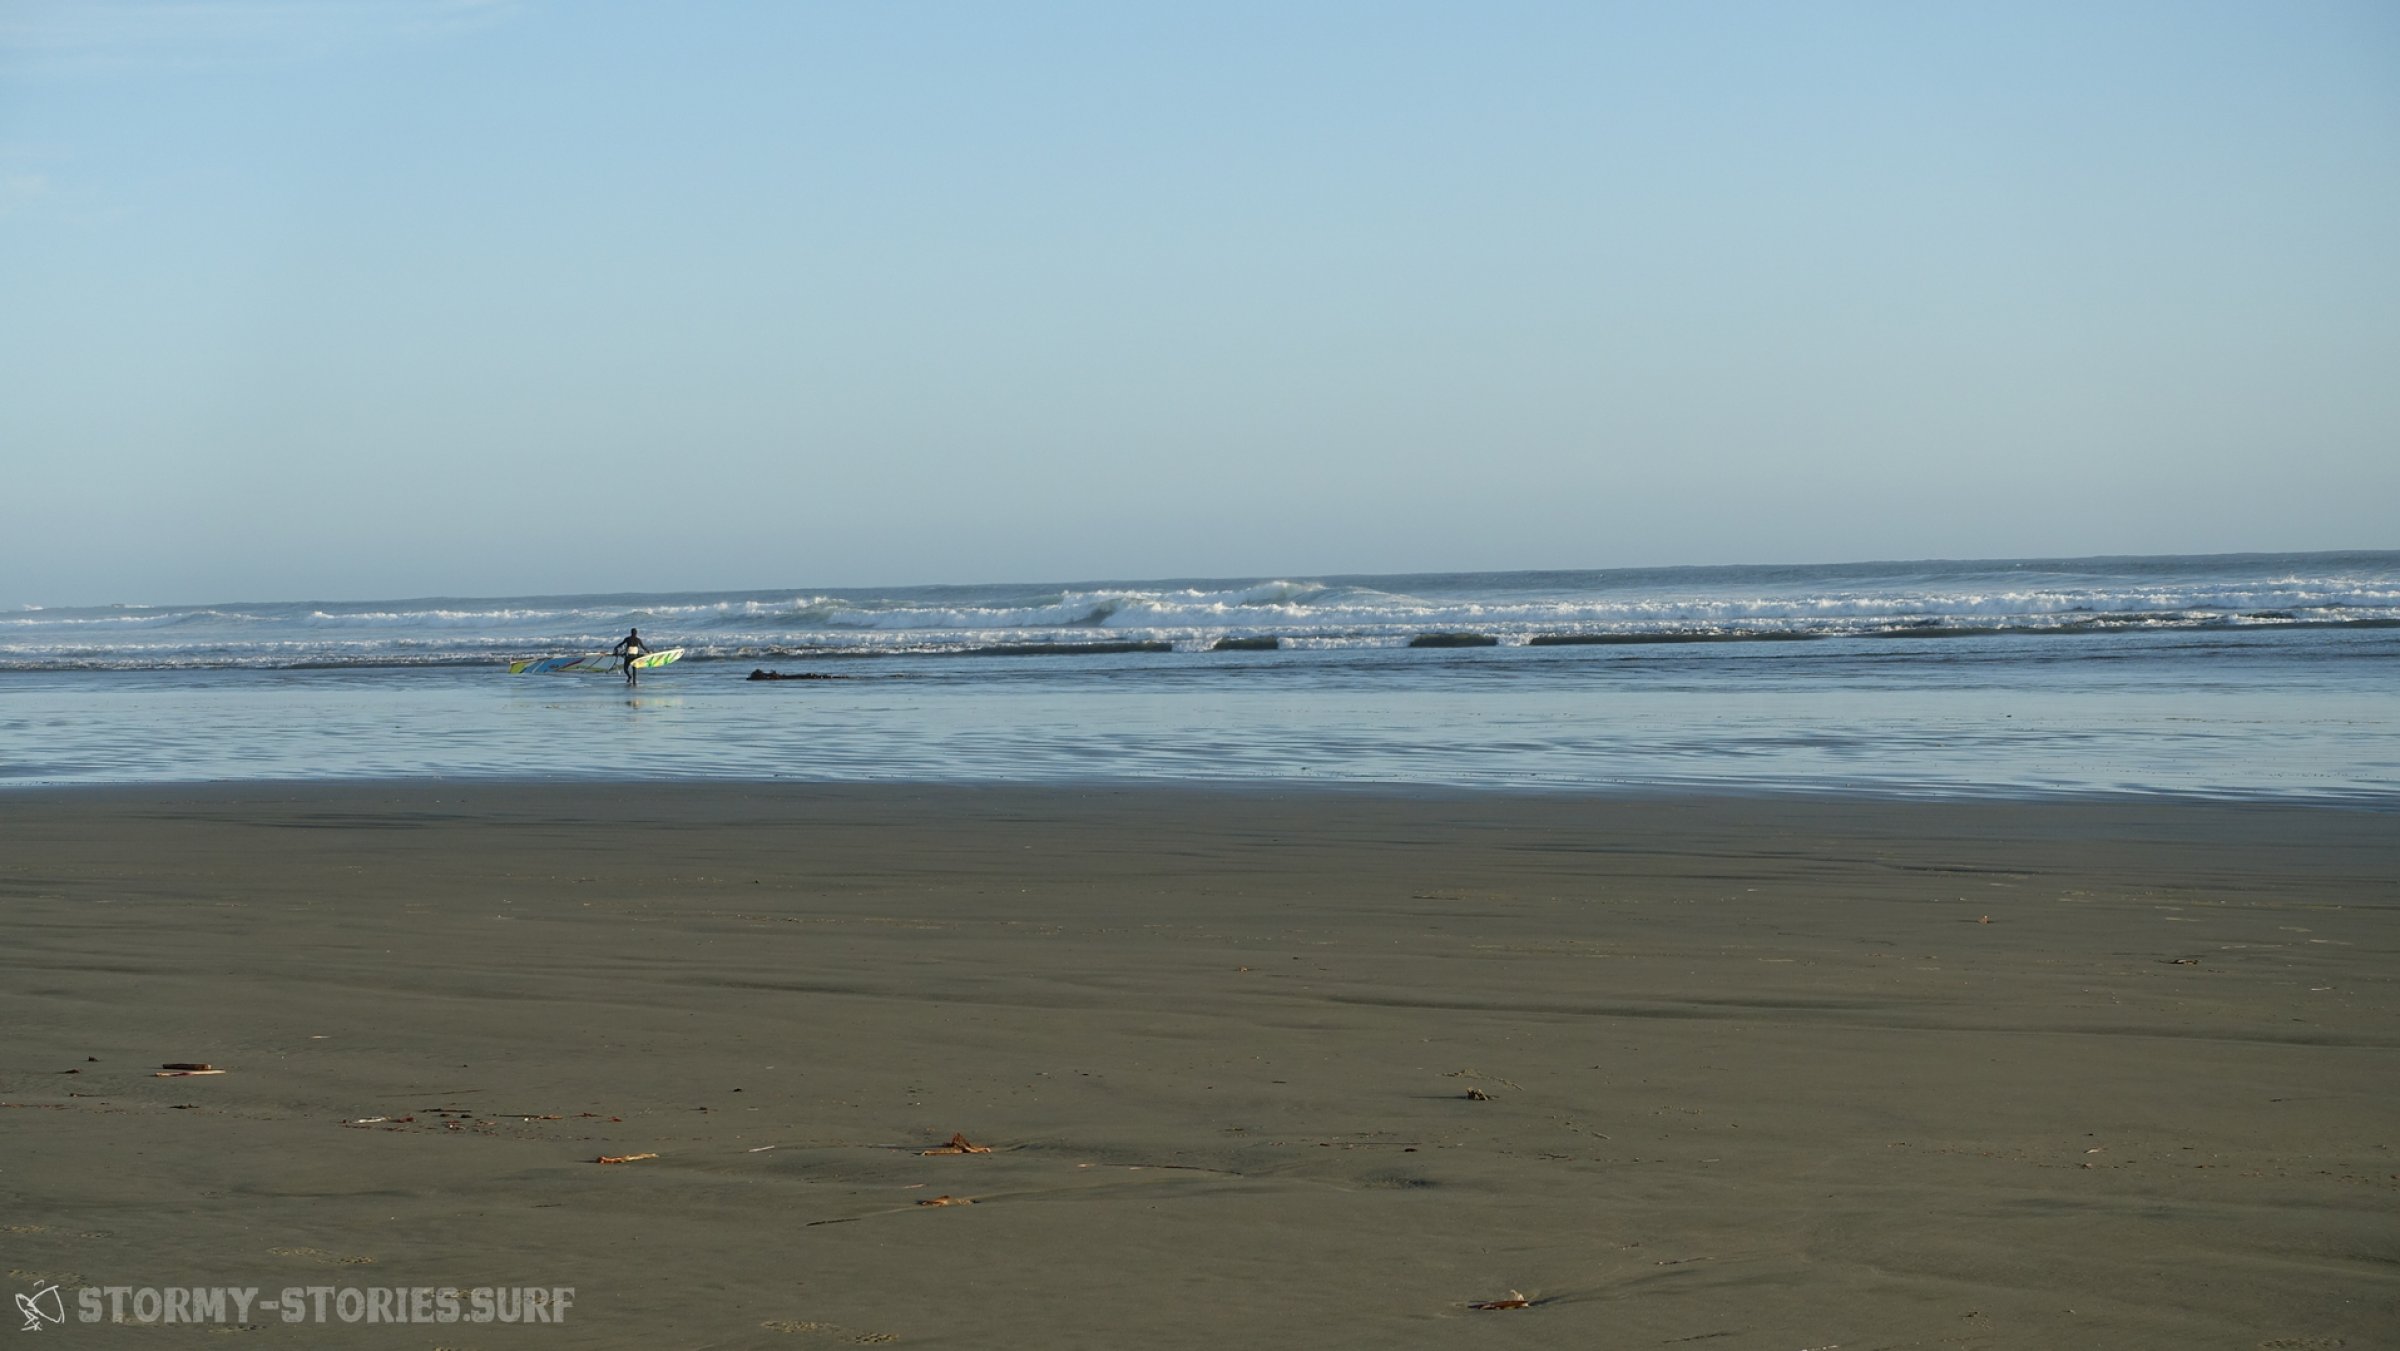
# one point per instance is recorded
(1861, 795)
(1257, 1067)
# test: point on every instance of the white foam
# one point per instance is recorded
(1301, 614)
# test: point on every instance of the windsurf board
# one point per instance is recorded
(602, 662)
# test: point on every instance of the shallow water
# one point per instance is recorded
(2292, 714)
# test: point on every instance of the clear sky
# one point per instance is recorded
(323, 299)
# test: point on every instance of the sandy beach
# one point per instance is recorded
(1253, 1067)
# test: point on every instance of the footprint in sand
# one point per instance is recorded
(322, 1257)
(830, 1330)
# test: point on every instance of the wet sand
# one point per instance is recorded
(1255, 1068)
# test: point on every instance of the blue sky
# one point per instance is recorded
(371, 298)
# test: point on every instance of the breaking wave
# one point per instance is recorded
(1483, 609)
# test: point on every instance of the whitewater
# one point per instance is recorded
(2266, 676)
(2039, 597)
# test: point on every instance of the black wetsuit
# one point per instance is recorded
(631, 647)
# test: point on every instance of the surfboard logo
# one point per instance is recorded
(36, 1315)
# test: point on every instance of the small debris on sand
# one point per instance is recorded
(1516, 1300)
(623, 1158)
(1476, 1095)
(945, 1200)
(959, 1144)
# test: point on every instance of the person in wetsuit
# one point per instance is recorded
(631, 647)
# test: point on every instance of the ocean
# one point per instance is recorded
(2268, 676)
